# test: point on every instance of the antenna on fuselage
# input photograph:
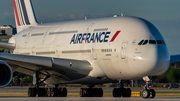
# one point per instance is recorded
(85, 18)
(122, 14)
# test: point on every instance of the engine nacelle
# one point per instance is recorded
(5, 74)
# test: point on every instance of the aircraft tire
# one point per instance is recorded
(59, 92)
(145, 93)
(82, 92)
(100, 92)
(30, 92)
(91, 92)
(52, 92)
(41, 92)
(129, 92)
(64, 92)
(125, 92)
(115, 92)
(48, 92)
(152, 93)
(96, 92)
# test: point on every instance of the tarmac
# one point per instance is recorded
(87, 99)
(77, 90)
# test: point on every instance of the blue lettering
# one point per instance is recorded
(80, 38)
(106, 36)
(73, 39)
(100, 39)
(76, 42)
(87, 37)
(92, 38)
(83, 38)
(96, 38)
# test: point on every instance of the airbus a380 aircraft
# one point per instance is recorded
(90, 52)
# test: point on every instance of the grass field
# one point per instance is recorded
(76, 94)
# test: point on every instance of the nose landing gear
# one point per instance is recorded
(147, 92)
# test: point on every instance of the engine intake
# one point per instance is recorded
(5, 74)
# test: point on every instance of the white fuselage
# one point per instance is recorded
(112, 50)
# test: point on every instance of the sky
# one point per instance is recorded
(164, 14)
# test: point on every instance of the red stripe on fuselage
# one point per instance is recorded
(16, 13)
(115, 35)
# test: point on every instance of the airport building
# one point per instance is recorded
(6, 31)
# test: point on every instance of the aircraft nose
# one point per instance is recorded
(153, 62)
(161, 61)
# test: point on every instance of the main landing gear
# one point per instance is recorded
(124, 92)
(147, 92)
(46, 92)
(91, 92)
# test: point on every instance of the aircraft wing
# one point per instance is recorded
(67, 69)
(175, 59)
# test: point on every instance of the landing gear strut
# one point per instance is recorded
(46, 92)
(124, 92)
(147, 92)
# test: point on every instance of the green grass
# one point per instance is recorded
(13, 94)
(167, 93)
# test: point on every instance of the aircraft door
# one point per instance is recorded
(94, 51)
(58, 51)
(27, 36)
(123, 50)
(45, 35)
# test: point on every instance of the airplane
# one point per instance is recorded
(88, 52)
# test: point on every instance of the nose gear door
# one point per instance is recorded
(123, 50)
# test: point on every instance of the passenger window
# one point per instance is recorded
(145, 42)
(159, 41)
(140, 42)
(152, 42)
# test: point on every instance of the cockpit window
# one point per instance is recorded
(152, 41)
(140, 42)
(145, 42)
(159, 42)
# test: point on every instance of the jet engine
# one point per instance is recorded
(5, 74)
